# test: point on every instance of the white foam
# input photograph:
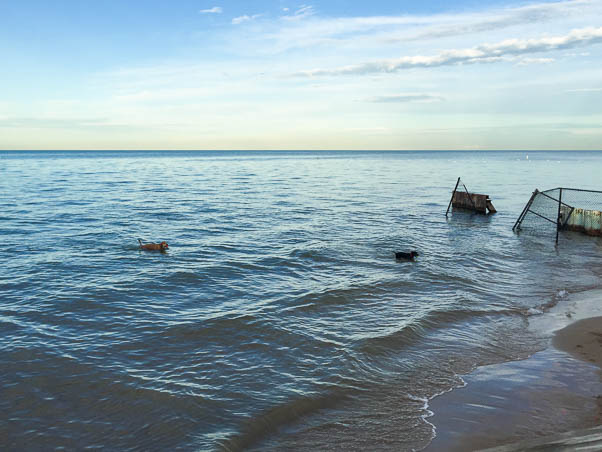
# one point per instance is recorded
(425, 407)
(548, 305)
(562, 309)
(534, 311)
(569, 308)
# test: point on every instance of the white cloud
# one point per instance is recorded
(527, 61)
(245, 18)
(484, 53)
(486, 22)
(190, 99)
(214, 10)
(291, 32)
(301, 13)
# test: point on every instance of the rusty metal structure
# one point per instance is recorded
(470, 201)
(558, 209)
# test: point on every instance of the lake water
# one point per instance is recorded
(279, 318)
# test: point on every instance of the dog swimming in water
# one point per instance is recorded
(153, 246)
(399, 255)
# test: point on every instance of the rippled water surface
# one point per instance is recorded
(279, 318)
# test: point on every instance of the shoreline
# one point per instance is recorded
(582, 339)
(556, 390)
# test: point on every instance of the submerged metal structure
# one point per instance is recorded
(470, 201)
(558, 209)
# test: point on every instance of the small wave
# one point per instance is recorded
(318, 298)
(184, 277)
(226, 330)
(246, 266)
(280, 262)
(312, 255)
(232, 248)
(544, 307)
(260, 427)
(418, 328)
(562, 294)
(427, 412)
(534, 311)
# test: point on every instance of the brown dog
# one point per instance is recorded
(153, 246)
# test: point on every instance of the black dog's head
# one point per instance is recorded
(414, 254)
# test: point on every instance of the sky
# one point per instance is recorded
(276, 74)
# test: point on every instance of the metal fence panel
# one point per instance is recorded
(551, 211)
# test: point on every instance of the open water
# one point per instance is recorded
(279, 318)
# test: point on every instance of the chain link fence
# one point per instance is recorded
(558, 209)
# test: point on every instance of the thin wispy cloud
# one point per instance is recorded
(51, 123)
(405, 98)
(214, 10)
(527, 61)
(245, 18)
(484, 53)
(584, 90)
(483, 22)
(302, 12)
(291, 32)
(369, 129)
(189, 86)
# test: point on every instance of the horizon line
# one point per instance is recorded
(301, 150)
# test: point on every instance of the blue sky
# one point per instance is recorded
(288, 75)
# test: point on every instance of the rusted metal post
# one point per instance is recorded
(558, 217)
(474, 207)
(525, 210)
(452, 198)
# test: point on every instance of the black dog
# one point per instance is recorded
(407, 256)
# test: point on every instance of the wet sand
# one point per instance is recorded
(556, 390)
(582, 339)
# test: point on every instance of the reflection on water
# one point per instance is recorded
(279, 317)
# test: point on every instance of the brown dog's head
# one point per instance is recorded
(164, 245)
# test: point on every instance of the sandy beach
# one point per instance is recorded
(554, 391)
(582, 339)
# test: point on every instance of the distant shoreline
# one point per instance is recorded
(313, 150)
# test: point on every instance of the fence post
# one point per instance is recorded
(519, 220)
(452, 198)
(469, 197)
(558, 217)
